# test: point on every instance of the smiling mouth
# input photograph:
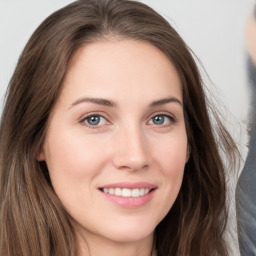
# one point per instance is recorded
(126, 192)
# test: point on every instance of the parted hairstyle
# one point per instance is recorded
(33, 221)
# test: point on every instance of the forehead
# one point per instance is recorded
(125, 67)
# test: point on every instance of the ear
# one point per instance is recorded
(41, 156)
(188, 153)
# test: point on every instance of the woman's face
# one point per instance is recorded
(116, 144)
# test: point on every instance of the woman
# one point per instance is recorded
(106, 143)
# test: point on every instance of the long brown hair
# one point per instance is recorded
(33, 220)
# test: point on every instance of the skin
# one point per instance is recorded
(251, 38)
(126, 146)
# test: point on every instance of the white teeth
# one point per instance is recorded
(118, 191)
(135, 192)
(105, 190)
(142, 192)
(111, 191)
(126, 192)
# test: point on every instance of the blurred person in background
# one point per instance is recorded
(246, 187)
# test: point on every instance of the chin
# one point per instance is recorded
(130, 232)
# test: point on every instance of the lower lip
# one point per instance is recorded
(130, 202)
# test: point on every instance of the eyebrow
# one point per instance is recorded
(110, 103)
(98, 101)
(165, 101)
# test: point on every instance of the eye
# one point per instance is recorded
(162, 119)
(93, 121)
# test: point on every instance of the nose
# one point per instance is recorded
(130, 150)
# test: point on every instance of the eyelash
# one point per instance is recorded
(172, 119)
(84, 121)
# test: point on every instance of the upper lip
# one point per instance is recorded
(130, 185)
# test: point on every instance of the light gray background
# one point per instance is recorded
(214, 29)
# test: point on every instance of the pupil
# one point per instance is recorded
(94, 120)
(158, 120)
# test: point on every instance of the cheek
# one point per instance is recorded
(71, 159)
(172, 156)
(173, 168)
(73, 163)
(172, 153)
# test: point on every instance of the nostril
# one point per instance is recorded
(126, 163)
